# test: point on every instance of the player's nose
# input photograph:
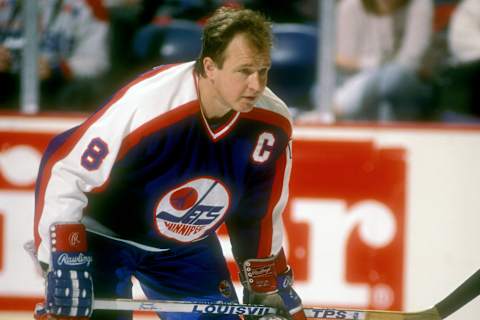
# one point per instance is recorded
(255, 82)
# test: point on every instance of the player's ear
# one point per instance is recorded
(209, 66)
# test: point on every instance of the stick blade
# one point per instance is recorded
(465, 293)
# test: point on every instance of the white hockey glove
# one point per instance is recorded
(269, 282)
(69, 288)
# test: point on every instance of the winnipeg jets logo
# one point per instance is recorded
(189, 211)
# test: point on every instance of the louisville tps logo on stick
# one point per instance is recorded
(466, 292)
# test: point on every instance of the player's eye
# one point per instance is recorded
(263, 72)
(246, 71)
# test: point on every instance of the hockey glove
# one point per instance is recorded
(268, 282)
(69, 289)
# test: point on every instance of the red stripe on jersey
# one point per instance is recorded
(69, 144)
(266, 226)
(150, 127)
(269, 117)
(161, 121)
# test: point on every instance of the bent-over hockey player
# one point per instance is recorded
(141, 186)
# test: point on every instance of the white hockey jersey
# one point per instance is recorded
(148, 169)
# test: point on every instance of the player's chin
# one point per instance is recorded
(245, 106)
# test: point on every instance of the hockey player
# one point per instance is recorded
(152, 175)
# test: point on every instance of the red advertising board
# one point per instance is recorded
(344, 222)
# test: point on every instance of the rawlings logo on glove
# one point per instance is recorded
(77, 260)
(268, 282)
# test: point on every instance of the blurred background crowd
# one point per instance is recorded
(401, 60)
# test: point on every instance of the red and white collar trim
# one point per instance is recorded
(224, 128)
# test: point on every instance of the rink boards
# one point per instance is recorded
(380, 216)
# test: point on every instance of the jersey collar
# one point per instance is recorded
(221, 130)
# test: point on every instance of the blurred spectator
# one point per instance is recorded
(380, 46)
(464, 45)
(72, 52)
(464, 32)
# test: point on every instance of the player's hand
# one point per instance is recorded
(69, 288)
(44, 69)
(265, 286)
(5, 59)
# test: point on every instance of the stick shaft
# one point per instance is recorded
(467, 291)
(218, 308)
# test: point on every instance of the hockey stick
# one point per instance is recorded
(467, 291)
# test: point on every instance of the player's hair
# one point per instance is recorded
(223, 25)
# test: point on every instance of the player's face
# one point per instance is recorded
(243, 76)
